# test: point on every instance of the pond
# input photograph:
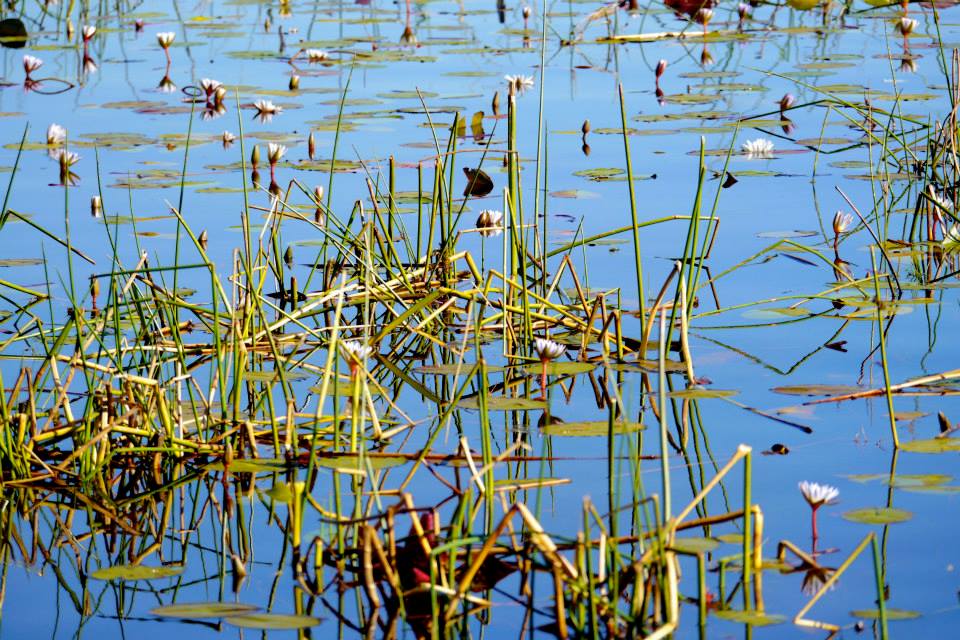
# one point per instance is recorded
(440, 319)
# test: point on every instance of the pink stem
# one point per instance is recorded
(813, 522)
(543, 378)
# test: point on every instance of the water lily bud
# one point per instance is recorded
(69, 29)
(526, 13)
(661, 67)
(203, 239)
(787, 101)
(294, 82)
(255, 156)
(96, 206)
(906, 25)
(586, 127)
(312, 147)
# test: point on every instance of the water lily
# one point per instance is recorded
(817, 495)
(266, 110)
(210, 87)
(661, 67)
(951, 239)
(96, 206)
(67, 159)
(316, 55)
(227, 139)
(356, 351)
(841, 222)
(519, 83)
(759, 148)
(703, 16)
(743, 11)
(490, 222)
(906, 26)
(786, 102)
(56, 134)
(138, 25)
(547, 350)
(165, 39)
(31, 64)
(274, 153)
(89, 65)
(88, 31)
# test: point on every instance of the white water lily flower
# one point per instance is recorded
(267, 107)
(88, 32)
(210, 86)
(67, 158)
(166, 38)
(759, 148)
(227, 138)
(818, 495)
(906, 25)
(275, 152)
(841, 222)
(357, 349)
(548, 349)
(31, 64)
(56, 134)
(490, 222)
(316, 55)
(703, 16)
(951, 239)
(519, 83)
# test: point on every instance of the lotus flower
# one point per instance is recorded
(759, 148)
(816, 496)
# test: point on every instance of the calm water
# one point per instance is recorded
(118, 115)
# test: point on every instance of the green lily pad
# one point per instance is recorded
(877, 515)
(561, 368)
(353, 463)
(199, 610)
(932, 445)
(695, 545)
(273, 621)
(751, 617)
(816, 389)
(254, 465)
(892, 614)
(592, 428)
(500, 403)
(135, 572)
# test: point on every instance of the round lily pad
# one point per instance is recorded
(751, 617)
(877, 515)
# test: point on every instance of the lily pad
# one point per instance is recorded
(702, 393)
(199, 610)
(501, 403)
(561, 368)
(273, 621)
(695, 545)
(932, 445)
(590, 428)
(751, 617)
(136, 572)
(878, 515)
(892, 614)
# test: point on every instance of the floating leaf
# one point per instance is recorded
(136, 572)
(198, 610)
(892, 614)
(751, 617)
(877, 515)
(354, 463)
(561, 368)
(273, 621)
(255, 465)
(696, 393)
(932, 445)
(479, 183)
(816, 390)
(451, 369)
(593, 428)
(501, 403)
(695, 545)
